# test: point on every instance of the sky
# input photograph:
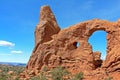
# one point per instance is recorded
(18, 19)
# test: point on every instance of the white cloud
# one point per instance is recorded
(16, 51)
(4, 54)
(6, 43)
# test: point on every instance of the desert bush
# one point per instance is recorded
(78, 76)
(4, 74)
(45, 68)
(109, 78)
(40, 77)
(58, 73)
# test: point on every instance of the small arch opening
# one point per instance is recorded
(76, 44)
(99, 42)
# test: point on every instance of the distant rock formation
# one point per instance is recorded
(55, 47)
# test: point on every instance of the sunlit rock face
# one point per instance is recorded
(55, 47)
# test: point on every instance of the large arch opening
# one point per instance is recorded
(99, 42)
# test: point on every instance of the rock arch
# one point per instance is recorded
(54, 46)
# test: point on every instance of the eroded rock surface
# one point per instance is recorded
(55, 47)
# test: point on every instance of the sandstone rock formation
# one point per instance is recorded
(54, 47)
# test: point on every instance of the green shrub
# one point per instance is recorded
(109, 78)
(40, 77)
(5, 69)
(78, 76)
(58, 73)
(45, 68)
(5, 76)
